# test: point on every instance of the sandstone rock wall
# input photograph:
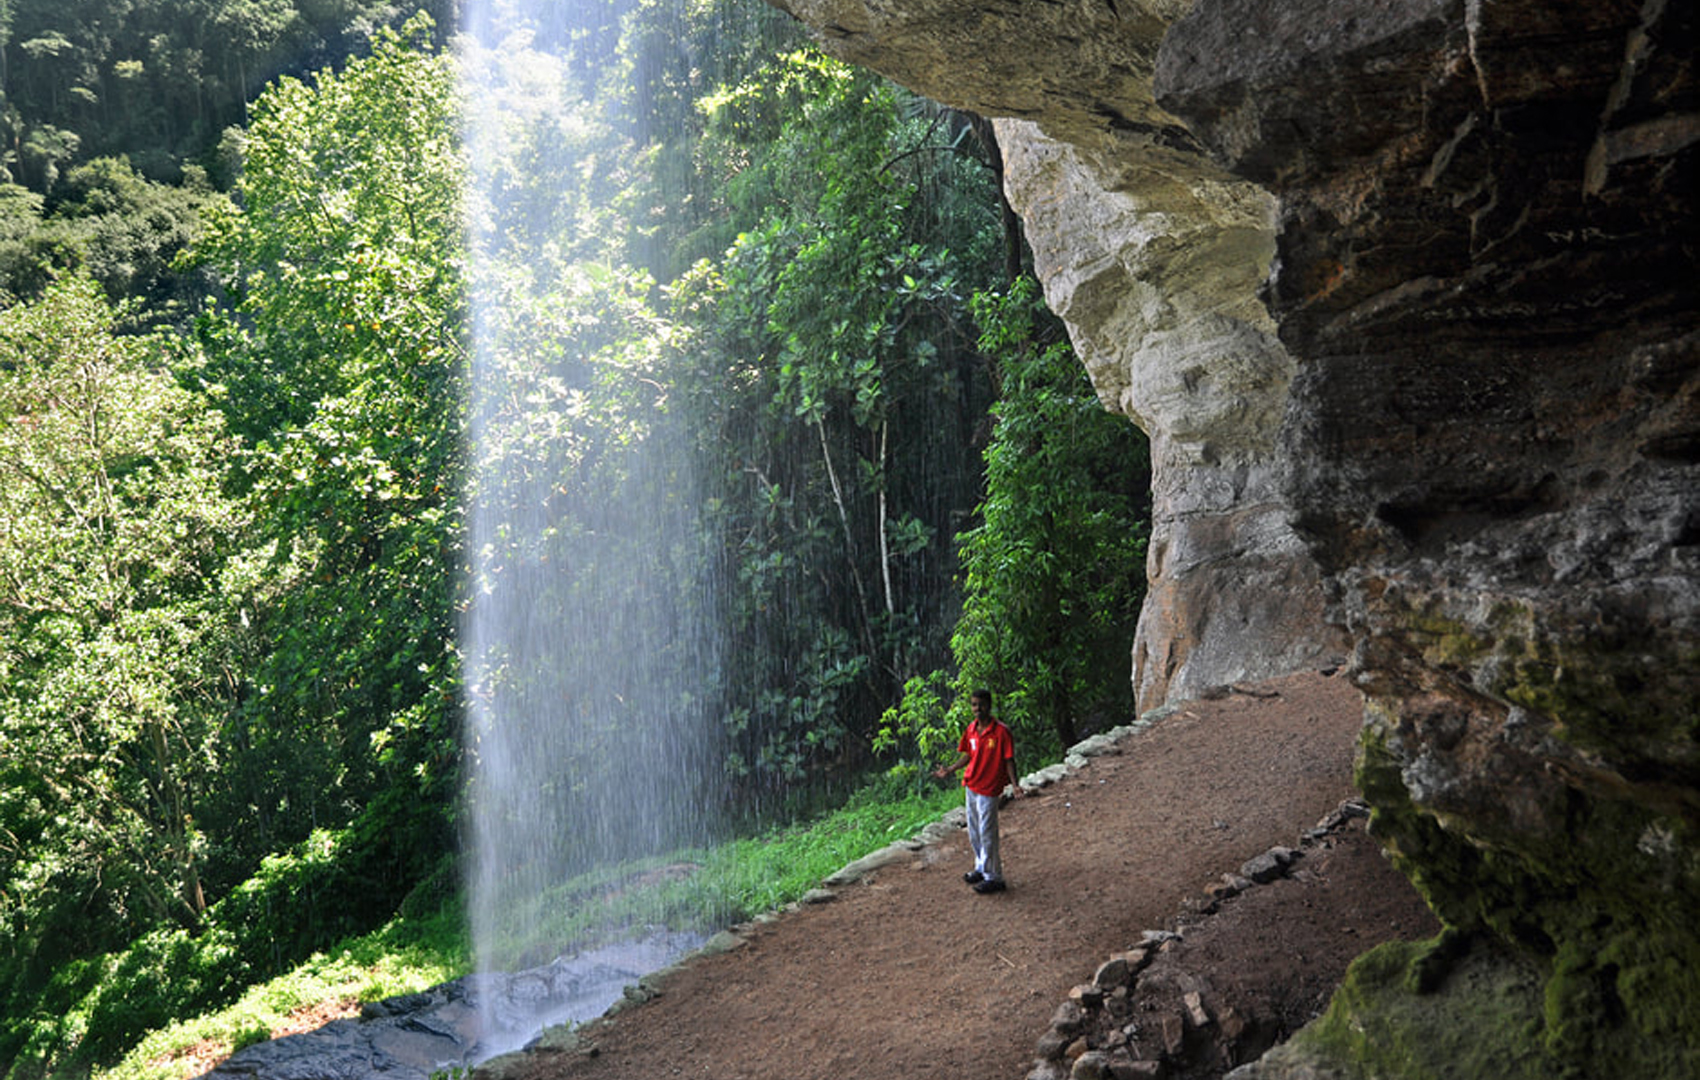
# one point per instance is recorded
(1404, 292)
(1486, 262)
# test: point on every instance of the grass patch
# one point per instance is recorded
(404, 956)
(707, 889)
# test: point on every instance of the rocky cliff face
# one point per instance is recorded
(1404, 292)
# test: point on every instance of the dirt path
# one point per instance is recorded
(910, 974)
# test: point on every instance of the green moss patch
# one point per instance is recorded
(1598, 930)
(1484, 1018)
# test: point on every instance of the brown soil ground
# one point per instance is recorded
(909, 974)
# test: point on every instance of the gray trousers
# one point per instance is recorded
(983, 834)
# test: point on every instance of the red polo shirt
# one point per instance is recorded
(987, 748)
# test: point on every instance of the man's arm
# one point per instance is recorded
(1014, 782)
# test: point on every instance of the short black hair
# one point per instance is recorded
(982, 694)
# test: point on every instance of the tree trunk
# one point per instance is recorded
(849, 537)
(1012, 235)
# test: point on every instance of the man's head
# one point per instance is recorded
(981, 702)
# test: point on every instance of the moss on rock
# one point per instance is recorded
(1483, 1020)
(1591, 926)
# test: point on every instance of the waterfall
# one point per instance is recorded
(587, 634)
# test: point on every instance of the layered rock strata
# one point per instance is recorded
(1404, 292)
(1486, 265)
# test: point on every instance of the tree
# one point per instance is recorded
(106, 220)
(159, 81)
(1054, 571)
(838, 392)
(342, 364)
(259, 721)
(116, 638)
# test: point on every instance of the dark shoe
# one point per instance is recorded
(973, 877)
(991, 885)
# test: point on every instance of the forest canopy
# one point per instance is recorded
(243, 250)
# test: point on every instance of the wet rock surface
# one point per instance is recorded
(1485, 258)
(459, 1023)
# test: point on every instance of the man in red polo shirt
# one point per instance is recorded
(988, 751)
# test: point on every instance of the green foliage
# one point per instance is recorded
(836, 400)
(643, 67)
(108, 222)
(764, 872)
(1056, 571)
(116, 637)
(403, 956)
(245, 1037)
(342, 365)
(159, 80)
(232, 699)
(921, 724)
(709, 889)
(199, 681)
(327, 889)
(697, 889)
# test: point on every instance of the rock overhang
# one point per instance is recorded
(1403, 292)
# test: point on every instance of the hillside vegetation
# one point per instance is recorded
(235, 382)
